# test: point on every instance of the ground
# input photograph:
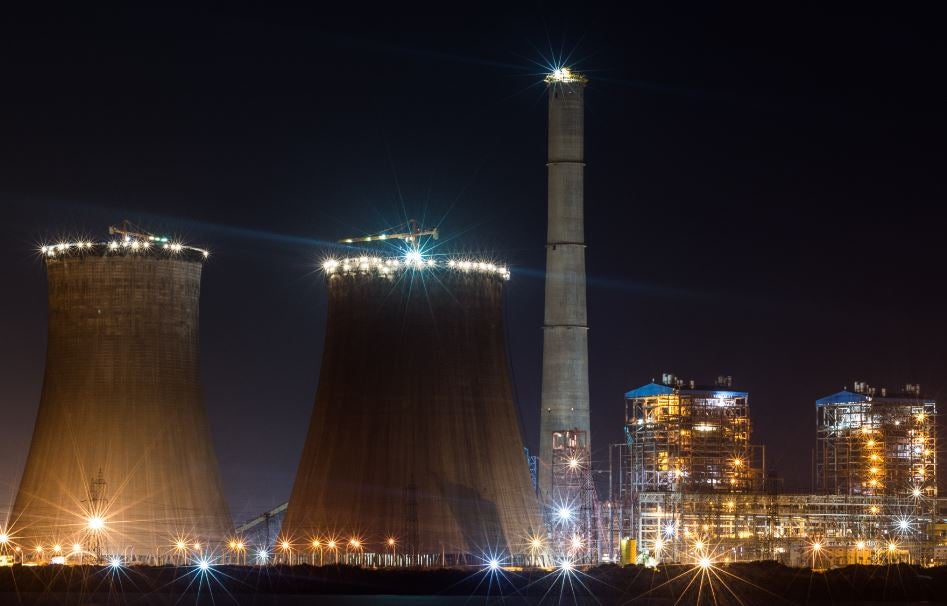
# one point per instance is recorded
(736, 584)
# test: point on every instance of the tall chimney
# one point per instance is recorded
(565, 391)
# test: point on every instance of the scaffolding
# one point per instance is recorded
(691, 485)
(873, 443)
(689, 439)
(685, 444)
(618, 523)
(573, 514)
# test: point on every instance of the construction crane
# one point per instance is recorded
(413, 235)
(130, 230)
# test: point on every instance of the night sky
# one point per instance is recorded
(763, 193)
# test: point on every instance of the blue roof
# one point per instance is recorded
(847, 397)
(651, 389)
(842, 397)
(657, 389)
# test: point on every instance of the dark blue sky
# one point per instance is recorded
(763, 188)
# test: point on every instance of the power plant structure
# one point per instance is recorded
(686, 444)
(875, 442)
(688, 438)
(121, 460)
(565, 370)
(414, 454)
(573, 518)
(691, 485)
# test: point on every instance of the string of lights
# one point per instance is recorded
(126, 245)
(414, 260)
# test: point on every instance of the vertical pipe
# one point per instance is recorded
(611, 504)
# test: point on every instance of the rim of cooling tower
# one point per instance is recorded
(152, 248)
(387, 267)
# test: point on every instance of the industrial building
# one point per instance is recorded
(686, 438)
(687, 483)
(822, 531)
(414, 455)
(873, 442)
(414, 449)
(121, 460)
(685, 444)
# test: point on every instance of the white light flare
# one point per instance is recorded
(564, 514)
(562, 74)
(95, 523)
(413, 257)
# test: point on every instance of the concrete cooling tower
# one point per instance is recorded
(121, 460)
(415, 437)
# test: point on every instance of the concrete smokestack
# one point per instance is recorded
(565, 389)
(121, 459)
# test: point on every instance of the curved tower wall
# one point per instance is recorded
(414, 433)
(122, 404)
(565, 383)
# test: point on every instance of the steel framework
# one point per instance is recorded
(688, 439)
(574, 510)
(681, 496)
(873, 443)
(744, 527)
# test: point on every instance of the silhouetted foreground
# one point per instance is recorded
(753, 583)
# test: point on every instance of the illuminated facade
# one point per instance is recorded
(677, 486)
(790, 528)
(684, 438)
(684, 444)
(872, 442)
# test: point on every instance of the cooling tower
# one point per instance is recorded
(121, 459)
(415, 435)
